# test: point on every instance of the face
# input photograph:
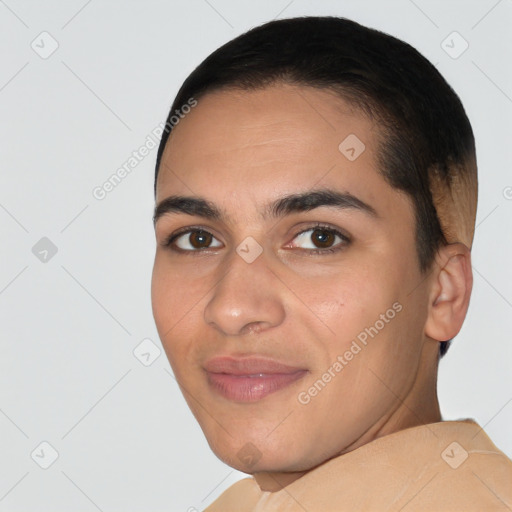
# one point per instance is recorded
(286, 290)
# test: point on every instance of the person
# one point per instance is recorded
(314, 217)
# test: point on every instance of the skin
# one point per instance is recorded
(241, 150)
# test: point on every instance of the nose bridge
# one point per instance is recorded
(246, 295)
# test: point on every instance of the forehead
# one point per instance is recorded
(237, 147)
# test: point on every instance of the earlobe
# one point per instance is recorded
(452, 282)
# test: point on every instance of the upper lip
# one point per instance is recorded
(248, 366)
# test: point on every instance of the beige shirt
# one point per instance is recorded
(445, 466)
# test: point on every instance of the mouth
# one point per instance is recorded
(249, 379)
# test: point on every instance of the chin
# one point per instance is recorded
(251, 464)
(254, 455)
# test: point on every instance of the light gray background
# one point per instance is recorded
(125, 438)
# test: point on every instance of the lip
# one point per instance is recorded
(248, 366)
(250, 379)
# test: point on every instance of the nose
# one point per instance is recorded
(246, 299)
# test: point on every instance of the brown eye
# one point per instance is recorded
(200, 239)
(323, 238)
(193, 240)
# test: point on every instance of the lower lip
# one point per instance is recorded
(242, 388)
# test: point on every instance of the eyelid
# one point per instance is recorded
(326, 227)
(170, 239)
(345, 238)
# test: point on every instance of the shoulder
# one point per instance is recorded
(241, 496)
(472, 474)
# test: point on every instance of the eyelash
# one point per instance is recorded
(345, 240)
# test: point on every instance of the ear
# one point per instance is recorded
(452, 282)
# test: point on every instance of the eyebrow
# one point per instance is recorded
(286, 205)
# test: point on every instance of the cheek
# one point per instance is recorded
(172, 303)
(178, 299)
(348, 302)
(162, 295)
